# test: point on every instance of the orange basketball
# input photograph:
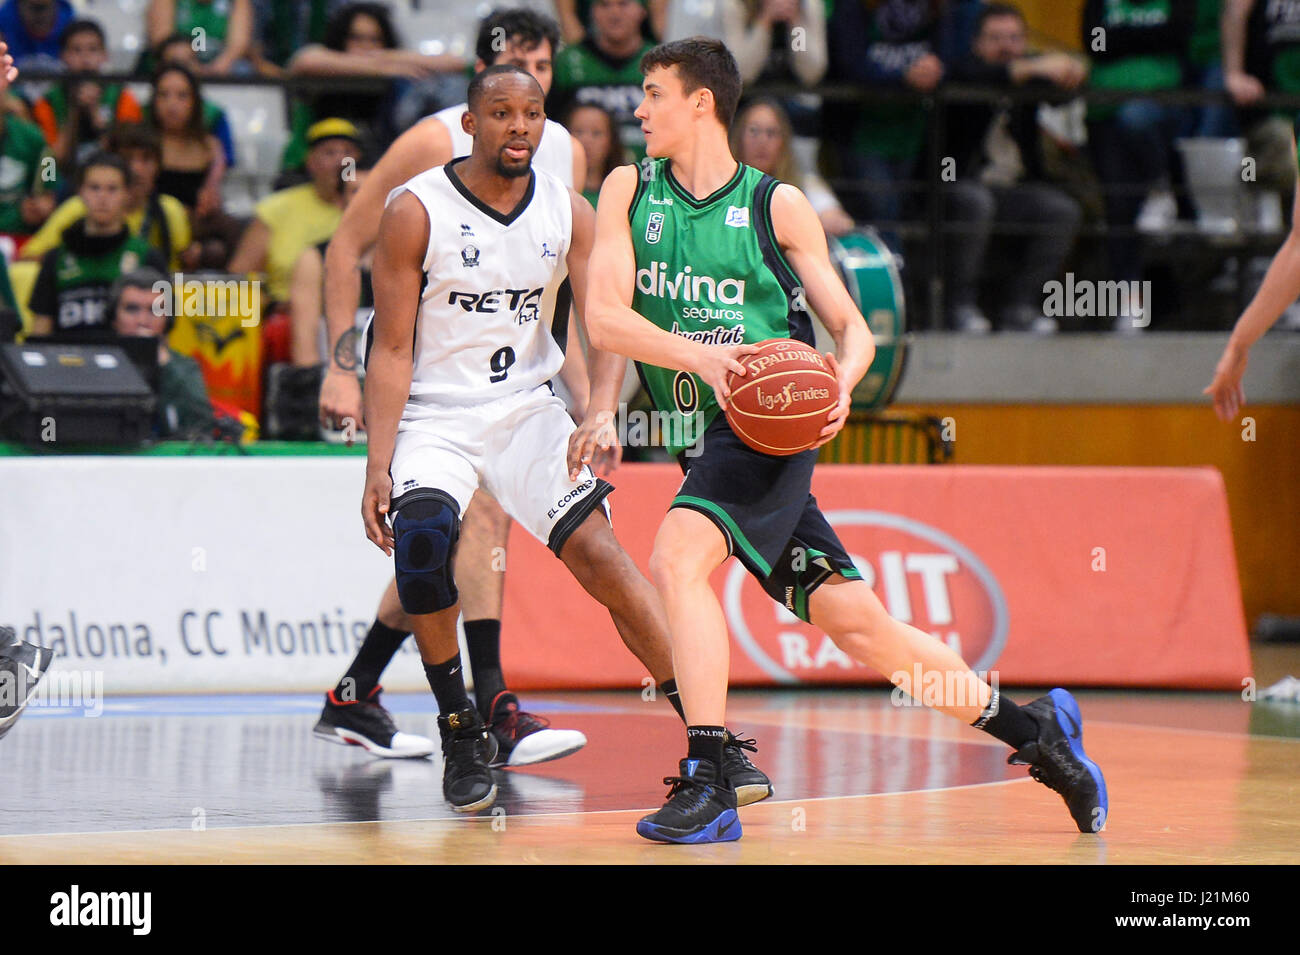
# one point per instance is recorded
(782, 404)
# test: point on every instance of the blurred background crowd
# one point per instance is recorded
(994, 148)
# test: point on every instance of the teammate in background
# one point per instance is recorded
(697, 207)
(21, 664)
(352, 712)
(1279, 290)
(475, 260)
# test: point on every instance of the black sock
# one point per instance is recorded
(1003, 720)
(447, 680)
(705, 742)
(379, 647)
(670, 690)
(483, 639)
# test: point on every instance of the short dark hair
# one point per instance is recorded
(529, 27)
(477, 84)
(128, 137)
(339, 25)
(702, 63)
(145, 277)
(991, 10)
(81, 26)
(103, 159)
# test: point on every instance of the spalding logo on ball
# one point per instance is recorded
(783, 403)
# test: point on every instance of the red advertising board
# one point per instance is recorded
(1073, 576)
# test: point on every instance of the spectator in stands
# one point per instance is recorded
(575, 20)
(220, 31)
(286, 26)
(605, 69)
(137, 303)
(307, 290)
(761, 137)
(884, 44)
(359, 41)
(999, 168)
(761, 35)
(1205, 71)
(593, 126)
(1142, 46)
(32, 29)
(75, 114)
(26, 181)
(1261, 53)
(193, 163)
(159, 219)
(299, 217)
(70, 296)
(11, 104)
(177, 50)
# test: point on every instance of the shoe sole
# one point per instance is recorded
(1065, 703)
(334, 734)
(483, 803)
(748, 795)
(529, 757)
(8, 722)
(725, 828)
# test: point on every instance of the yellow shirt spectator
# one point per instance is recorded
(178, 225)
(298, 218)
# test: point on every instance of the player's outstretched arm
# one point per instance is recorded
(803, 241)
(596, 436)
(612, 324)
(1281, 287)
(398, 270)
(423, 146)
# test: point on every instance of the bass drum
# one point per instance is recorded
(870, 272)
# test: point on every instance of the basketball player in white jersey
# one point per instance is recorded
(352, 712)
(475, 259)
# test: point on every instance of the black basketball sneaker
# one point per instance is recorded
(750, 783)
(467, 751)
(523, 738)
(21, 667)
(367, 724)
(1057, 760)
(701, 807)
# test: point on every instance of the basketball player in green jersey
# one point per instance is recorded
(696, 258)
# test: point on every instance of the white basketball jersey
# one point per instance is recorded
(554, 149)
(493, 284)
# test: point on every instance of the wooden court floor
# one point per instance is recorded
(1193, 778)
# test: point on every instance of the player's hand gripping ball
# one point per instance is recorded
(785, 400)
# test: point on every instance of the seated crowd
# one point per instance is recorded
(101, 190)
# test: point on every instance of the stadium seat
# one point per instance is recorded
(432, 28)
(693, 18)
(124, 27)
(257, 123)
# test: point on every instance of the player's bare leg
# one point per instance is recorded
(522, 738)
(467, 748)
(598, 561)
(701, 805)
(353, 714)
(1047, 734)
(687, 549)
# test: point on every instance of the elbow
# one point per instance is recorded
(596, 330)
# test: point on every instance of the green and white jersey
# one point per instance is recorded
(710, 270)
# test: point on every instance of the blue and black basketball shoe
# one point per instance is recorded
(750, 783)
(1057, 760)
(467, 750)
(701, 807)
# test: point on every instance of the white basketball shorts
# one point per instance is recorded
(515, 448)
